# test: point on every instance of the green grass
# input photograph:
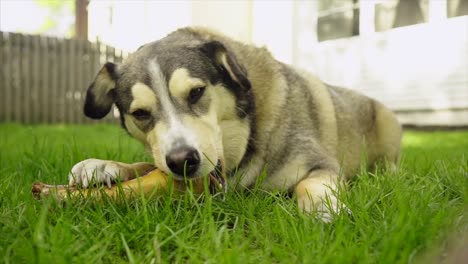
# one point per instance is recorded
(397, 218)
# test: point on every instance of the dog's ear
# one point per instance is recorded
(227, 63)
(100, 94)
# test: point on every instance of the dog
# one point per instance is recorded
(202, 102)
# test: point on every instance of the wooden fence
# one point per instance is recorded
(44, 79)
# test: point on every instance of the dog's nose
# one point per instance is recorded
(183, 161)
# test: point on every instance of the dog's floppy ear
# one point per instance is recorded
(226, 62)
(100, 94)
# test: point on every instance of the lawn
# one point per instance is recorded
(410, 216)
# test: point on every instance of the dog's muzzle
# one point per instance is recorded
(183, 161)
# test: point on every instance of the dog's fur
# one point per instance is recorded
(254, 113)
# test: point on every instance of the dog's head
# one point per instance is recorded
(185, 97)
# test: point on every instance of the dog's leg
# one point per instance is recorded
(95, 171)
(317, 192)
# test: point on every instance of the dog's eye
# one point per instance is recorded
(195, 94)
(141, 114)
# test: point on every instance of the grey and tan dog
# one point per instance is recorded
(201, 102)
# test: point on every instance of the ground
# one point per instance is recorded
(413, 215)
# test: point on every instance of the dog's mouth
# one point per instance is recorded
(217, 182)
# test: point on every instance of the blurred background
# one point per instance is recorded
(410, 54)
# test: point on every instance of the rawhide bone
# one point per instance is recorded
(152, 183)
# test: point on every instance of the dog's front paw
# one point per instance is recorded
(326, 209)
(329, 209)
(93, 171)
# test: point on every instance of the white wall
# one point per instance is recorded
(233, 18)
(420, 71)
(273, 27)
(129, 24)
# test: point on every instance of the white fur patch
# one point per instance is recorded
(181, 82)
(234, 131)
(133, 129)
(92, 171)
(316, 193)
(176, 129)
(143, 97)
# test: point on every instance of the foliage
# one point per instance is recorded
(58, 9)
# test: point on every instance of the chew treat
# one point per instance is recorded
(153, 183)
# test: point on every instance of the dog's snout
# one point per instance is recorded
(183, 161)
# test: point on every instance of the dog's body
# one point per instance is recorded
(202, 101)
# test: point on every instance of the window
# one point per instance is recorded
(457, 8)
(341, 18)
(337, 19)
(399, 13)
